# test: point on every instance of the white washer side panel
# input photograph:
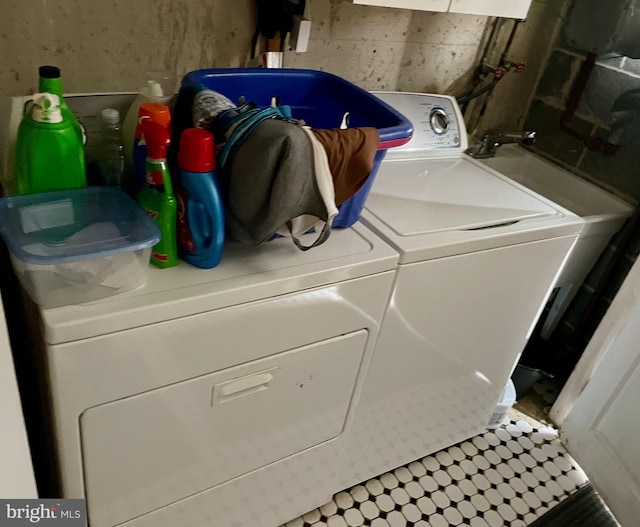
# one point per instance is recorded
(449, 341)
(91, 372)
(591, 243)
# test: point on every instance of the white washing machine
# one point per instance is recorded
(479, 255)
(217, 397)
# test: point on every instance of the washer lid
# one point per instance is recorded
(415, 198)
(430, 208)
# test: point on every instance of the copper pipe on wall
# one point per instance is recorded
(503, 62)
(577, 89)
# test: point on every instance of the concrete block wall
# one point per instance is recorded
(611, 77)
(391, 49)
(506, 107)
(108, 46)
(619, 173)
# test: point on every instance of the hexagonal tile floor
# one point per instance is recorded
(506, 477)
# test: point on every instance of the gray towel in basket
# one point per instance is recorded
(269, 180)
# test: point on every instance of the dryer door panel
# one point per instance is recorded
(146, 451)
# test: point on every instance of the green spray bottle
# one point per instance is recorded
(157, 198)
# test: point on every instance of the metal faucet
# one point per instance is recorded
(493, 139)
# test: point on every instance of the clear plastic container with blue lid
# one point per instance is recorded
(75, 246)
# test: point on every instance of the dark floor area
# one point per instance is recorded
(583, 508)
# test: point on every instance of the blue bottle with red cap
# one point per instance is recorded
(200, 209)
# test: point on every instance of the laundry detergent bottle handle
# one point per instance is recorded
(157, 198)
(49, 154)
(201, 224)
(154, 92)
(51, 82)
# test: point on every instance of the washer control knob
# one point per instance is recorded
(439, 121)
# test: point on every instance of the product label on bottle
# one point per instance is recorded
(185, 241)
(153, 214)
(159, 256)
(155, 181)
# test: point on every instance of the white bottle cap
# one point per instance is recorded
(46, 108)
(110, 116)
(153, 89)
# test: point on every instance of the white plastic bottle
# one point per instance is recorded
(111, 148)
(152, 92)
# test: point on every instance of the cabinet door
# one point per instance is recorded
(16, 476)
(601, 430)
(420, 5)
(504, 8)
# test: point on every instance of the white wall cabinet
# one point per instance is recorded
(503, 8)
(420, 5)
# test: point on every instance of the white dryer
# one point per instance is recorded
(217, 397)
(479, 255)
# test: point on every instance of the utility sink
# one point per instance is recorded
(604, 215)
(560, 186)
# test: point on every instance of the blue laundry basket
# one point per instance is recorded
(322, 100)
